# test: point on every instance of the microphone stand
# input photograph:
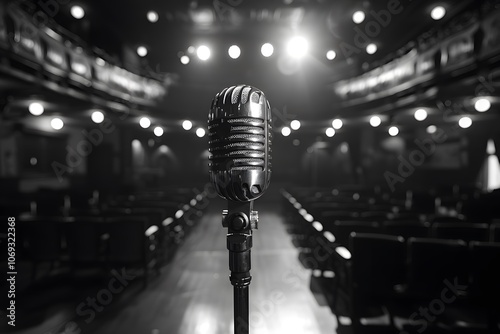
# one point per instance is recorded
(240, 219)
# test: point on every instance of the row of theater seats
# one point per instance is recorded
(401, 270)
(138, 230)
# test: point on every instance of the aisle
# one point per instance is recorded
(194, 296)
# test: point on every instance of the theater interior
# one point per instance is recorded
(380, 215)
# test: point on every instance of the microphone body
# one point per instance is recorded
(240, 137)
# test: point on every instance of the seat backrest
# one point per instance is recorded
(485, 270)
(463, 231)
(342, 229)
(378, 262)
(407, 228)
(127, 242)
(495, 232)
(433, 262)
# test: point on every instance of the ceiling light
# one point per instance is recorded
(142, 51)
(337, 123)
(295, 125)
(36, 108)
(203, 52)
(393, 131)
(285, 131)
(465, 122)
(438, 12)
(297, 47)
(56, 123)
(431, 129)
(97, 117)
(234, 51)
(185, 60)
(482, 105)
(375, 121)
(187, 125)
(371, 48)
(358, 16)
(158, 131)
(330, 132)
(331, 55)
(152, 16)
(200, 132)
(267, 49)
(420, 114)
(77, 12)
(144, 122)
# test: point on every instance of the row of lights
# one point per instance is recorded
(437, 13)
(187, 125)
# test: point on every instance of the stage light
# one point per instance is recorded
(331, 55)
(297, 47)
(295, 125)
(420, 114)
(144, 122)
(371, 48)
(465, 122)
(438, 13)
(393, 131)
(337, 123)
(158, 131)
(234, 51)
(152, 16)
(97, 117)
(358, 16)
(375, 121)
(77, 12)
(185, 60)
(330, 132)
(482, 105)
(142, 51)
(57, 123)
(431, 129)
(200, 132)
(187, 125)
(36, 108)
(203, 52)
(285, 131)
(267, 50)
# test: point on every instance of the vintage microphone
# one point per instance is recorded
(240, 134)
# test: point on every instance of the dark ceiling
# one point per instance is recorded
(118, 27)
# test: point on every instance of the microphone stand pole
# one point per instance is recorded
(240, 219)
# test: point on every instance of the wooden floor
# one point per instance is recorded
(194, 296)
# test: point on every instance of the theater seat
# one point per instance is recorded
(463, 231)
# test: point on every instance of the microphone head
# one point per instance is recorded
(240, 134)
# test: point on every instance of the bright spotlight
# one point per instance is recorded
(234, 51)
(371, 48)
(375, 121)
(152, 16)
(187, 125)
(482, 105)
(330, 132)
(393, 131)
(203, 52)
(465, 122)
(185, 60)
(158, 131)
(36, 108)
(358, 16)
(297, 47)
(267, 50)
(431, 129)
(56, 123)
(200, 132)
(97, 117)
(420, 114)
(337, 123)
(144, 122)
(77, 12)
(295, 125)
(142, 51)
(285, 131)
(331, 55)
(438, 13)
